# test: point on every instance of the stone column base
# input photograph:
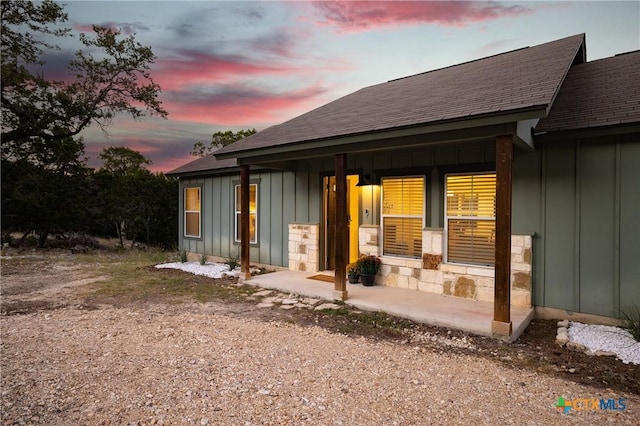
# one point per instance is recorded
(499, 328)
(340, 295)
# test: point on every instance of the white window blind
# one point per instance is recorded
(402, 216)
(470, 218)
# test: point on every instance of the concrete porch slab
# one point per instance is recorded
(433, 309)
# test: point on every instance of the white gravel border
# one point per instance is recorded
(605, 338)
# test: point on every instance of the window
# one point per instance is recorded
(402, 216)
(253, 213)
(192, 212)
(470, 218)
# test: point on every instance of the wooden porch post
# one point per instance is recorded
(244, 223)
(501, 324)
(341, 231)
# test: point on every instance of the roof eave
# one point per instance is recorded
(590, 132)
(495, 119)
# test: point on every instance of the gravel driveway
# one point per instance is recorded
(168, 365)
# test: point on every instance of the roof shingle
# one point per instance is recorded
(599, 93)
(518, 80)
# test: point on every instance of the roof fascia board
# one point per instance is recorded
(436, 131)
(594, 132)
(205, 172)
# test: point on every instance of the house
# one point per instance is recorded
(513, 179)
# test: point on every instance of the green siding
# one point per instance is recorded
(629, 251)
(587, 231)
(559, 233)
(596, 224)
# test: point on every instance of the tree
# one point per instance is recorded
(48, 192)
(219, 140)
(37, 110)
(122, 161)
(120, 179)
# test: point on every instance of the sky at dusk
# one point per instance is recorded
(237, 65)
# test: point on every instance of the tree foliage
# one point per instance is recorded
(47, 187)
(38, 110)
(219, 140)
(138, 204)
(122, 161)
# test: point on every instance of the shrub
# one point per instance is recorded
(203, 259)
(183, 256)
(233, 260)
(631, 320)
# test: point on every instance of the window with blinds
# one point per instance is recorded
(192, 212)
(253, 213)
(402, 216)
(470, 218)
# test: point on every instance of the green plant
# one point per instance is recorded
(183, 256)
(631, 320)
(203, 259)
(369, 264)
(233, 260)
(352, 268)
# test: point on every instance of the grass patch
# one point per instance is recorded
(133, 277)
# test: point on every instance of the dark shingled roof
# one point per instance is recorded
(208, 162)
(520, 80)
(600, 93)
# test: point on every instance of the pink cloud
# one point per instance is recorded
(196, 68)
(365, 15)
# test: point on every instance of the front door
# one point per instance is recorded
(353, 220)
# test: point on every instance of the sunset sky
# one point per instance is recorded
(236, 65)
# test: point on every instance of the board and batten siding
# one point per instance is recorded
(581, 200)
(283, 197)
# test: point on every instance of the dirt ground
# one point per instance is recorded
(51, 280)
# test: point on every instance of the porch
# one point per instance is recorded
(453, 312)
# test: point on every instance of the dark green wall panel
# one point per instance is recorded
(596, 203)
(560, 227)
(630, 224)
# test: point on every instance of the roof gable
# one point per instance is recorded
(524, 79)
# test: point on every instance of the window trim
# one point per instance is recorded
(185, 211)
(383, 216)
(237, 213)
(475, 218)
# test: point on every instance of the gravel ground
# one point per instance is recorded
(168, 365)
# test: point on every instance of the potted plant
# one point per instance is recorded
(368, 267)
(352, 273)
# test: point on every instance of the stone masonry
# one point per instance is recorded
(304, 245)
(432, 275)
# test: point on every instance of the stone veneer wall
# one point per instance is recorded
(304, 245)
(430, 274)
